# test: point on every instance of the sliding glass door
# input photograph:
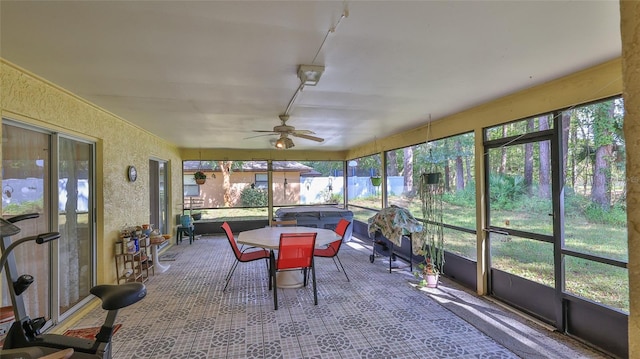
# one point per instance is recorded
(52, 175)
(26, 188)
(158, 196)
(75, 224)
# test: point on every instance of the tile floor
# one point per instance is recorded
(375, 315)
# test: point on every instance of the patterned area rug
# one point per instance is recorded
(88, 333)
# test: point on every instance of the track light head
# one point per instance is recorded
(309, 75)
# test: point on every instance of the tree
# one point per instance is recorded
(566, 125)
(574, 144)
(503, 154)
(225, 169)
(544, 179)
(447, 177)
(446, 162)
(467, 142)
(408, 169)
(528, 160)
(467, 162)
(326, 168)
(603, 128)
(392, 163)
(459, 166)
(598, 143)
(372, 164)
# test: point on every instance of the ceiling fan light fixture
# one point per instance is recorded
(310, 74)
(288, 143)
(284, 143)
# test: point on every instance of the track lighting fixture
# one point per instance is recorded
(310, 74)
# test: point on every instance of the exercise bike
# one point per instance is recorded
(24, 339)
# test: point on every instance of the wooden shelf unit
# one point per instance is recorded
(136, 266)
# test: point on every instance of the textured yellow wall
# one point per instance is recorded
(29, 99)
(630, 30)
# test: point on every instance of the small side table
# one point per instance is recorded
(182, 230)
(156, 260)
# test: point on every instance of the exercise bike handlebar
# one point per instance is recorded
(22, 217)
(47, 237)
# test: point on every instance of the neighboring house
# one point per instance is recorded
(286, 182)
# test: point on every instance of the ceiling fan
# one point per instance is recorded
(284, 130)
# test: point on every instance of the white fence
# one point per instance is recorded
(319, 189)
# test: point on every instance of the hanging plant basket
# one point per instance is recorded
(376, 181)
(200, 177)
(431, 178)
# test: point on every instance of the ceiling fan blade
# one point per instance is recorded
(307, 137)
(264, 131)
(266, 134)
(303, 132)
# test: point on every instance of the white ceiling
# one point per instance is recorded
(204, 74)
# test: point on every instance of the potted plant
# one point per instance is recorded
(431, 178)
(430, 269)
(432, 234)
(200, 177)
(376, 180)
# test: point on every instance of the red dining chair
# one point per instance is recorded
(294, 252)
(277, 222)
(331, 251)
(242, 255)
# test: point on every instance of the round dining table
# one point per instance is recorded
(269, 238)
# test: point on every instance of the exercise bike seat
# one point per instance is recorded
(119, 296)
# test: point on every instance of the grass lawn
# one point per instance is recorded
(532, 259)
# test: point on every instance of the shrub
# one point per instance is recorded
(336, 198)
(506, 191)
(574, 204)
(464, 198)
(253, 197)
(615, 216)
